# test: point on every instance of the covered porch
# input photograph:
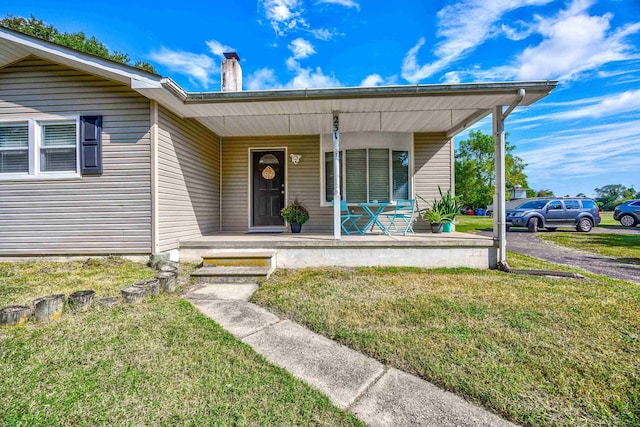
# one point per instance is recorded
(322, 146)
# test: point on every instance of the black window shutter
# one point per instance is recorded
(91, 145)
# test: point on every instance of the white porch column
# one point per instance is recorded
(336, 176)
(499, 205)
(499, 198)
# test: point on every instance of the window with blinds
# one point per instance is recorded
(14, 148)
(58, 148)
(38, 147)
(370, 175)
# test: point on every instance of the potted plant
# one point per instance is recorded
(296, 215)
(450, 206)
(436, 216)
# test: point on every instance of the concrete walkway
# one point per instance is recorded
(377, 394)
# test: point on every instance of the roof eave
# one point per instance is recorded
(82, 60)
(545, 87)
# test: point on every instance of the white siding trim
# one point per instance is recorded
(155, 210)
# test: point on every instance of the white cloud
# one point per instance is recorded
(519, 30)
(301, 48)
(284, 15)
(292, 64)
(372, 80)
(288, 16)
(453, 77)
(261, 79)
(304, 78)
(583, 152)
(345, 3)
(218, 48)
(378, 80)
(324, 33)
(463, 27)
(575, 42)
(198, 67)
(310, 78)
(627, 102)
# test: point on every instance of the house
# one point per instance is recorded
(97, 157)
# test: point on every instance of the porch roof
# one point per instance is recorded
(441, 108)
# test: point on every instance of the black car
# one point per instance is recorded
(554, 212)
(628, 213)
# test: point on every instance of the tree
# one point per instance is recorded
(544, 193)
(78, 41)
(629, 193)
(474, 169)
(611, 195)
(581, 195)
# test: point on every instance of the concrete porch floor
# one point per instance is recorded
(278, 240)
(302, 250)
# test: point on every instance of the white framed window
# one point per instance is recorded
(369, 175)
(35, 148)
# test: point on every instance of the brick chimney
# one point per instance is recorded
(231, 73)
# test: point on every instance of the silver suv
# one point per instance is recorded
(628, 213)
(554, 212)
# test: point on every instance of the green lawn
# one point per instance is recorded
(24, 281)
(540, 351)
(159, 362)
(473, 224)
(623, 246)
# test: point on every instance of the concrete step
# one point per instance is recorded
(240, 259)
(230, 274)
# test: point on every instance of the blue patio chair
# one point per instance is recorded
(349, 221)
(401, 220)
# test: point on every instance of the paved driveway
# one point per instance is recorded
(523, 242)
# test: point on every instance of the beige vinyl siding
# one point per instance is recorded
(188, 180)
(433, 167)
(303, 180)
(107, 214)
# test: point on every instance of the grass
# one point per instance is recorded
(625, 247)
(539, 351)
(159, 362)
(473, 224)
(24, 281)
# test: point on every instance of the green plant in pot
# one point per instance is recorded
(296, 215)
(436, 216)
(450, 206)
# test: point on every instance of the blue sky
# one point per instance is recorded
(586, 134)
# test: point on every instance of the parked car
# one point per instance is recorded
(628, 213)
(554, 212)
(509, 204)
